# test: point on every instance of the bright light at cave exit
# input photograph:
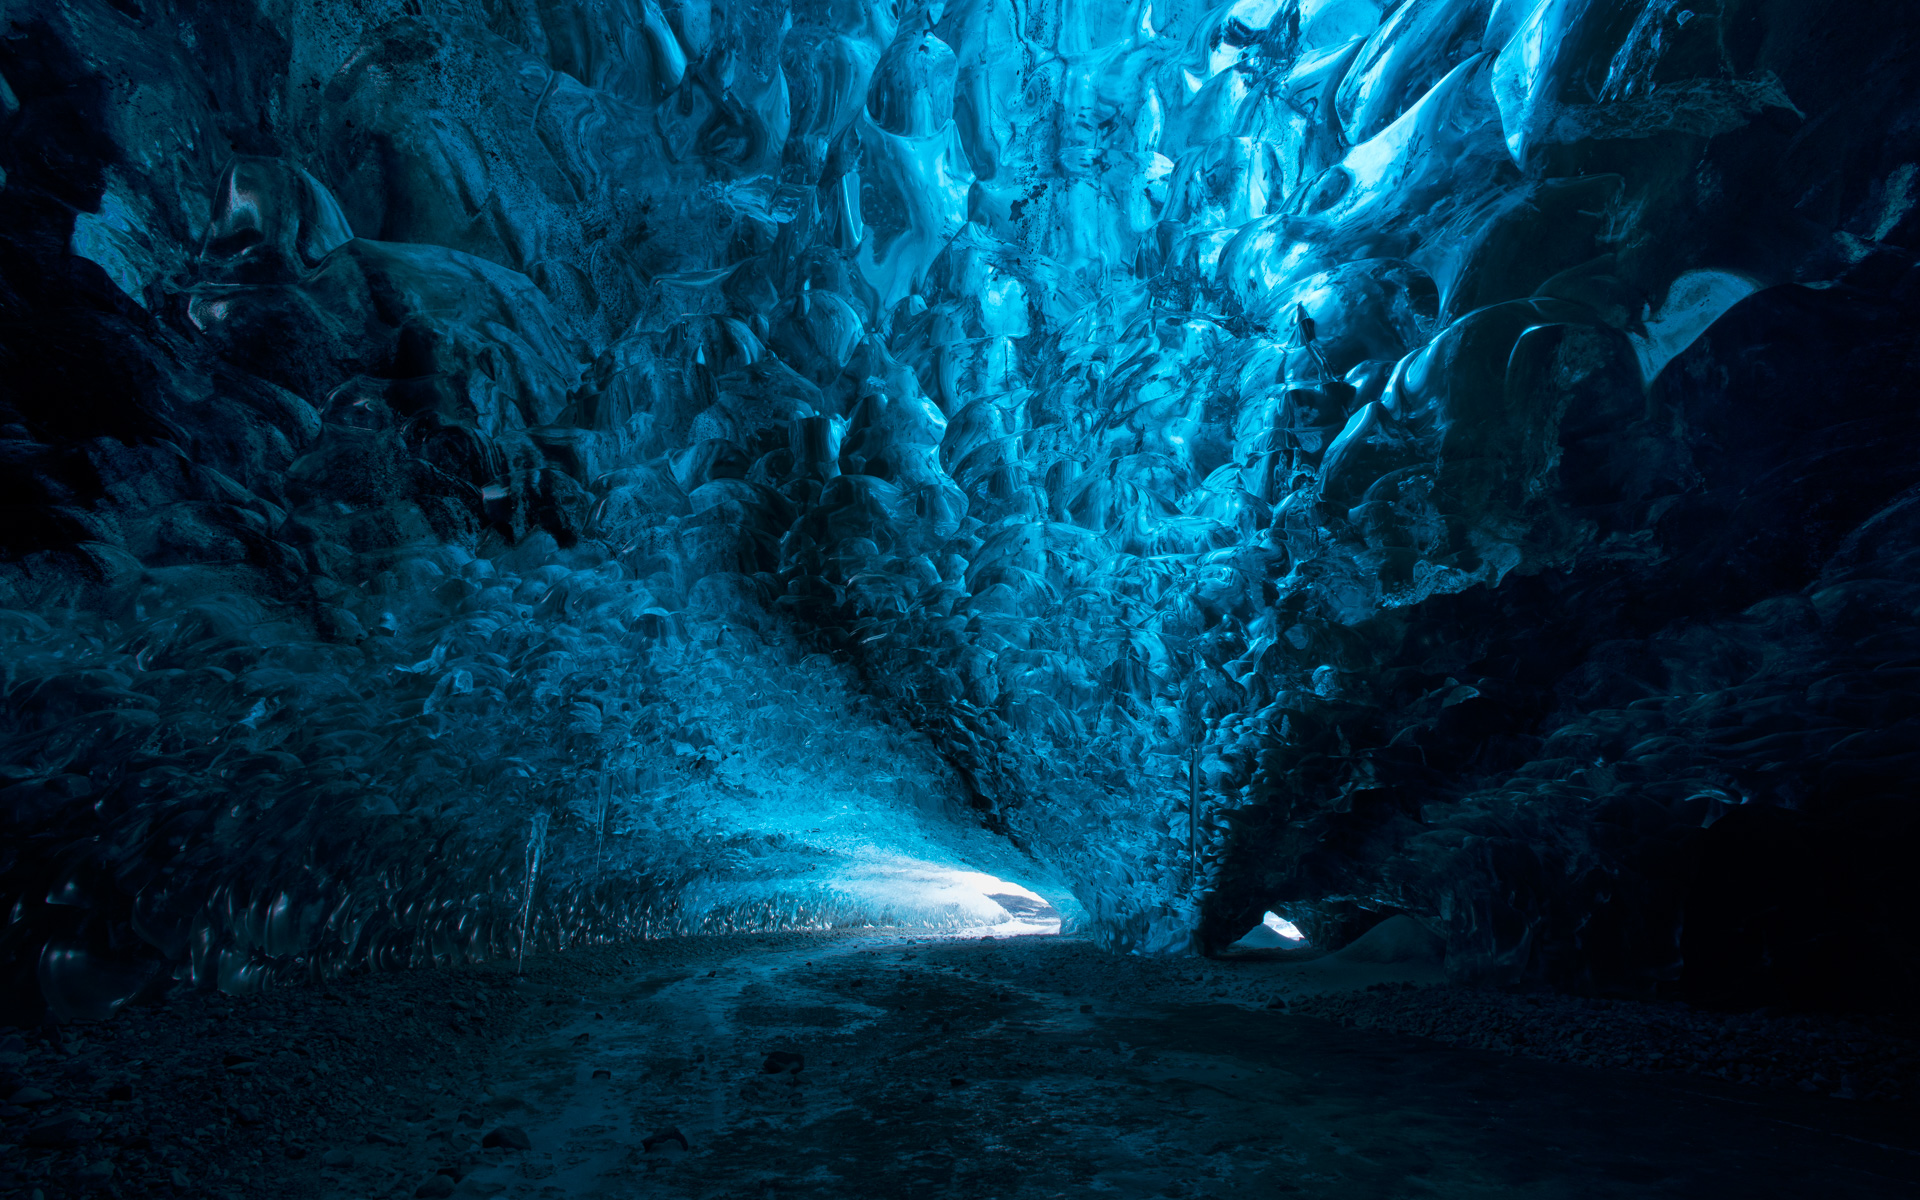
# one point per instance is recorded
(1286, 929)
(970, 903)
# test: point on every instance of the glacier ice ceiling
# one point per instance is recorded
(496, 471)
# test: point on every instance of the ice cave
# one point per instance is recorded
(1007, 599)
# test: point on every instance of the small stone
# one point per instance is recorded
(122, 1092)
(510, 1137)
(178, 1177)
(29, 1096)
(783, 1060)
(338, 1159)
(247, 1114)
(59, 1132)
(295, 1152)
(1086, 1008)
(581, 1040)
(956, 1081)
(436, 1187)
(602, 1073)
(669, 1134)
(95, 1173)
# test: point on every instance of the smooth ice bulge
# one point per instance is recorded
(1319, 457)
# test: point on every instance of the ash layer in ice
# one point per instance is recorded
(496, 471)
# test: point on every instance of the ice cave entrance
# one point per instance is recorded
(965, 902)
(1273, 931)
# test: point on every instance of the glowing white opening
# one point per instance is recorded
(1273, 933)
(1286, 929)
(964, 902)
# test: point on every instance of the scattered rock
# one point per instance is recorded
(669, 1134)
(582, 1039)
(120, 1092)
(510, 1137)
(783, 1060)
(1766, 1049)
(1086, 1008)
(435, 1188)
(602, 1073)
(29, 1096)
(60, 1132)
(338, 1159)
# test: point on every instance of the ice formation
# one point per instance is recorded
(1323, 458)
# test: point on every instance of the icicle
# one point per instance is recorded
(536, 845)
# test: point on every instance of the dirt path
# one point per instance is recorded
(1037, 1068)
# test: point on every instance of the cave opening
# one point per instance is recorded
(1273, 931)
(870, 597)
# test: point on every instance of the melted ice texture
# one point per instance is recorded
(814, 451)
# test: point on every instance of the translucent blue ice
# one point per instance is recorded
(777, 450)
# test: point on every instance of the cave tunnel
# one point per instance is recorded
(1008, 599)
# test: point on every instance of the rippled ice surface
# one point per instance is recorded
(538, 471)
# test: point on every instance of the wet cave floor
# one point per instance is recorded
(888, 1066)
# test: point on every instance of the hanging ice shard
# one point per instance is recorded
(1312, 457)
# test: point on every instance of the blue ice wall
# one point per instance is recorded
(1448, 457)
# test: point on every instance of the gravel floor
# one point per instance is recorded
(208, 1095)
(306, 1091)
(1864, 1059)
(1873, 1059)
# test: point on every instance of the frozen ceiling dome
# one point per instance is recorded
(542, 471)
